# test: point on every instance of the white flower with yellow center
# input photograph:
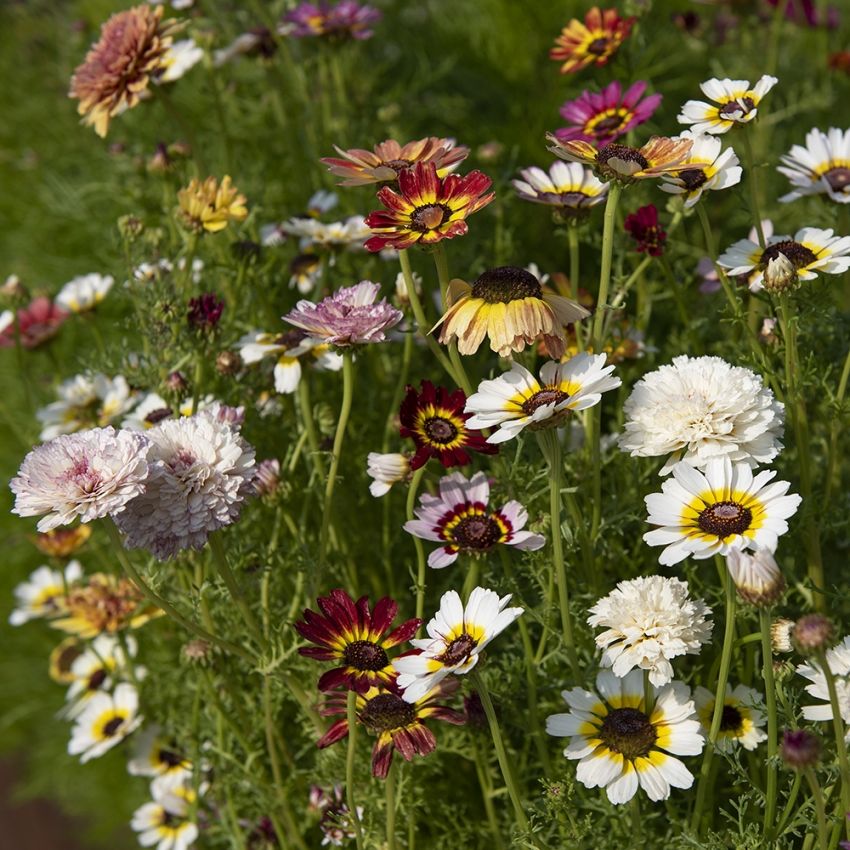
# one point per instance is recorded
(517, 400)
(43, 593)
(154, 755)
(741, 721)
(620, 745)
(165, 822)
(84, 293)
(710, 514)
(734, 102)
(95, 669)
(456, 637)
(349, 234)
(838, 659)
(180, 58)
(712, 169)
(106, 721)
(386, 470)
(568, 186)
(822, 167)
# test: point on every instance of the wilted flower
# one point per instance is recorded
(593, 42)
(572, 189)
(84, 293)
(733, 102)
(742, 720)
(717, 170)
(644, 228)
(44, 593)
(209, 206)
(36, 323)
(757, 577)
(781, 630)
(386, 470)
(85, 401)
(821, 167)
(346, 19)
(106, 721)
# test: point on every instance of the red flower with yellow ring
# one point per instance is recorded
(593, 42)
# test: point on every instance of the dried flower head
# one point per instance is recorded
(813, 633)
(756, 577)
(799, 748)
(209, 206)
(780, 635)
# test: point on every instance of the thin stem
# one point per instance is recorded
(306, 409)
(790, 805)
(833, 476)
(770, 699)
(575, 259)
(223, 568)
(412, 492)
(817, 797)
(351, 714)
(482, 770)
(389, 787)
(607, 255)
(443, 276)
(749, 161)
(839, 732)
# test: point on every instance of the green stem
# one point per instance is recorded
(790, 805)
(482, 770)
(306, 409)
(443, 276)
(817, 797)
(575, 259)
(412, 492)
(833, 476)
(351, 714)
(389, 787)
(770, 699)
(752, 183)
(839, 732)
(609, 221)
(223, 568)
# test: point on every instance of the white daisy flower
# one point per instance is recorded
(7, 318)
(153, 756)
(620, 746)
(822, 167)
(716, 169)
(810, 251)
(43, 593)
(349, 234)
(305, 272)
(733, 102)
(164, 822)
(838, 659)
(96, 669)
(700, 408)
(180, 58)
(517, 400)
(84, 293)
(649, 621)
(456, 637)
(106, 721)
(569, 186)
(757, 577)
(742, 719)
(156, 271)
(386, 470)
(726, 508)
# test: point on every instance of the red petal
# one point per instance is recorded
(337, 732)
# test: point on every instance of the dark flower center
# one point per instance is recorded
(170, 758)
(693, 178)
(365, 655)
(158, 415)
(506, 284)
(549, 395)
(798, 254)
(735, 107)
(838, 178)
(97, 679)
(606, 125)
(731, 721)
(440, 430)
(622, 152)
(724, 519)
(628, 731)
(167, 819)
(430, 217)
(598, 46)
(398, 164)
(385, 712)
(67, 657)
(112, 726)
(574, 200)
(477, 532)
(458, 650)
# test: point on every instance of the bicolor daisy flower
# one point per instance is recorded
(106, 721)
(95, 669)
(620, 746)
(838, 659)
(434, 419)
(602, 117)
(821, 167)
(457, 635)
(517, 400)
(398, 725)
(811, 250)
(164, 823)
(733, 102)
(155, 756)
(726, 508)
(62, 658)
(459, 519)
(742, 719)
(356, 637)
(44, 593)
(593, 42)
(569, 187)
(84, 293)
(717, 170)
(426, 208)
(388, 159)
(511, 307)
(342, 20)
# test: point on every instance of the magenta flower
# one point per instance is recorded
(602, 117)
(205, 311)
(37, 323)
(347, 19)
(348, 317)
(644, 228)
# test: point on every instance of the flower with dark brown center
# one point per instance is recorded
(506, 284)
(458, 650)
(838, 178)
(724, 519)
(592, 41)
(798, 254)
(623, 154)
(629, 732)
(693, 178)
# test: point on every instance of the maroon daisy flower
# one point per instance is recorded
(644, 229)
(434, 419)
(351, 633)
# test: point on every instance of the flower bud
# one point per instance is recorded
(176, 382)
(780, 275)
(228, 362)
(267, 479)
(13, 289)
(130, 227)
(205, 311)
(757, 577)
(799, 748)
(780, 635)
(386, 470)
(813, 633)
(196, 651)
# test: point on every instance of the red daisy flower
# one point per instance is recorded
(434, 419)
(643, 227)
(593, 42)
(350, 632)
(399, 725)
(427, 208)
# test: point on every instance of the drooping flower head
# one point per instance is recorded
(343, 20)
(209, 206)
(733, 102)
(717, 170)
(642, 225)
(356, 637)
(510, 307)
(726, 508)
(592, 42)
(386, 470)
(620, 746)
(570, 188)
(348, 317)
(426, 208)
(457, 635)
(335, 823)
(435, 420)
(106, 721)
(517, 400)
(388, 159)
(459, 519)
(649, 621)
(822, 167)
(757, 577)
(36, 324)
(602, 117)
(84, 293)
(741, 721)
(44, 593)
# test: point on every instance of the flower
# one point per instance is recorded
(605, 116)
(165, 822)
(95, 668)
(132, 49)
(388, 159)
(799, 749)
(574, 190)
(386, 470)
(105, 722)
(822, 167)
(813, 633)
(305, 272)
(517, 400)
(649, 621)
(348, 317)
(43, 594)
(352, 633)
(335, 822)
(181, 57)
(511, 308)
(62, 542)
(620, 746)
(741, 721)
(204, 311)
(398, 725)
(780, 633)
(427, 208)
(838, 659)
(267, 479)
(84, 293)
(811, 250)
(200, 474)
(716, 170)
(434, 419)
(593, 42)
(346, 19)
(457, 635)
(155, 756)
(87, 475)
(458, 518)
(346, 235)
(62, 658)
(84, 401)
(699, 408)
(726, 508)
(733, 102)
(643, 227)
(209, 206)
(36, 323)
(757, 577)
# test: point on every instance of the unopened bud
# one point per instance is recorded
(176, 382)
(13, 289)
(780, 635)
(228, 363)
(197, 651)
(799, 749)
(130, 227)
(757, 576)
(267, 479)
(780, 275)
(813, 633)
